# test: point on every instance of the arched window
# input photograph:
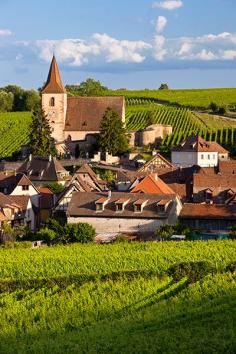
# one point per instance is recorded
(52, 102)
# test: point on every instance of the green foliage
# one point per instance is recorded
(164, 87)
(90, 87)
(165, 232)
(47, 235)
(81, 232)
(23, 100)
(55, 187)
(41, 143)
(60, 299)
(6, 101)
(113, 137)
(194, 271)
(21, 244)
(214, 107)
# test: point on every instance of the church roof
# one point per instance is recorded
(85, 113)
(54, 83)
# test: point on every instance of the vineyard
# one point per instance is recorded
(14, 132)
(120, 298)
(140, 113)
(194, 99)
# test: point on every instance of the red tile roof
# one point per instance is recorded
(86, 113)
(198, 144)
(54, 83)
(208, 211)
(152, 184)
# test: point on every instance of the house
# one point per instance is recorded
(43, 170)
(75, 119)
(208, 217)
(158, 162)
(87, 180)
(152, 184)
(131, 213)
(46, 203)
(61, 206)
(197, 151)
(16, 210)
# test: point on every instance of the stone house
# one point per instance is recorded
(150, 136)
(131, 213)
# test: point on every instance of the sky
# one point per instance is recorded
(134, 44)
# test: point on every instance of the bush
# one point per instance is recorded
(231, 267)
(214, 107)
(21, 244)
(46, 235)
(81, 232)
(193, 270)
(121, 238)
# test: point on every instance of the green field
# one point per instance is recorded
(117, 299)
(197, 98)
(14, 132)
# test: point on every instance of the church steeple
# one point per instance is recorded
(54, 82)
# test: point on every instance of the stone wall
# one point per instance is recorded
(150, 136)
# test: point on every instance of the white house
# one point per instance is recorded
(197, 151)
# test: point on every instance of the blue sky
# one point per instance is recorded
(125, 43)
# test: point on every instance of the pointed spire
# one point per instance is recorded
(54, 83)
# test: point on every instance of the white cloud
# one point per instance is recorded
(229, 54)
(159, 51)
(5, 32)
(161, 24)
(168, 4)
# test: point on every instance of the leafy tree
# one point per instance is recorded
(165, 232)
(90, 87)
(81, 232)
(6, 101)
(223, 110)
(214, 107)
(55, 187)
(41, 142)
(31, 100)
(113, 137)
(46, 235)
(164, 87)
(17, 91)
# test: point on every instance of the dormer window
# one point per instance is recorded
(100, 204)
(139, 205)
(52, 102)
(121, 203)
(162, 205)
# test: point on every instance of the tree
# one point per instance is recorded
(55, 187)
(41, 142)
(90, 87)
(165, 232)
(164, 87)
(31, 100)
(113, 137)
(214, 107)
(46, 235)
(18, 92)
(81, 232)
(6, 101)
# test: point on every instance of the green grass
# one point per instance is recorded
(116, 299)
(14, 132)
(197, 98)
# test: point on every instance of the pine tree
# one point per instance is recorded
(113, 138)
(41, 142)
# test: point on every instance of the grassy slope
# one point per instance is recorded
(14, 132)
(188, 98)
(119, 302)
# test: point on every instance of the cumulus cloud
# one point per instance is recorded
(77, 52)
(5, 32)
(159, 51)
(161, 24)
(168, 4)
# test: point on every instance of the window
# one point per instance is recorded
(99, 207)
(25, 188)
(202, 157)
(119, 207)
(161, 208)
(208, 156)
(138, 208)
(214, 157)
(52, 102)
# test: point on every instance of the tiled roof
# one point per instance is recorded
(6, 201)
(84, 204)
(10, 181)
(208, 211)
(214, 181)
(198, 144)
(86, 113)
(152, 184)
(54, 83)
(227, 167)
(21, 200)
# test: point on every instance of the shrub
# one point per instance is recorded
(121, 238)
(214, 107)
(46, 235)
(21, 244)
(81, 232)
(193, 270)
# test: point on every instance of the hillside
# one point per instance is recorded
(122, 298)
(14, 132)
(195, 99)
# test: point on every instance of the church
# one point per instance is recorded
(75, 120)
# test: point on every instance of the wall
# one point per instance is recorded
(207, 159)
(184, 159)
(56, 114)
(32, 192)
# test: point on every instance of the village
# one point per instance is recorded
(196, 188)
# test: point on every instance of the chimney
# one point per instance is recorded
(50, 158)
(156, 177)
(30, 157)
(109, 194)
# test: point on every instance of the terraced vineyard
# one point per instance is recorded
(14, 132)
(141, 113)
(166, 297)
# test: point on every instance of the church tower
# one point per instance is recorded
(54, 102)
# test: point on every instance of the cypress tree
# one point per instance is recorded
(113, 137)
(41, 142)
